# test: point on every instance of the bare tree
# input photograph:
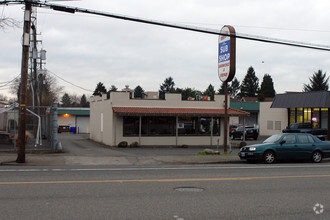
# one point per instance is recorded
(9, 22)
(49, 90)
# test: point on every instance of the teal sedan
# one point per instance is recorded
(289, 146)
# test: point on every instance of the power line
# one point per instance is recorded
(8, 82)
(69, 81)
(185, 27)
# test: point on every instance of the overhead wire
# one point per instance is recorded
(70, 9)
(8, 82)
(80, 87)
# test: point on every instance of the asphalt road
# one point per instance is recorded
(241, 191)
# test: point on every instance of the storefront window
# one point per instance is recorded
(204, 126)
(292, 115)
(194, 126)
(216, 126)
(316, 117)
(154, 126)
(187, 125)
(307, 115)
(131, 126)
(299, 115)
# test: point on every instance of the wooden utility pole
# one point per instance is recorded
(23, 85)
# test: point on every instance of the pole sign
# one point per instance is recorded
(227, 54)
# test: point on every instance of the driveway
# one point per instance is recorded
(79, 150)
(81, 145)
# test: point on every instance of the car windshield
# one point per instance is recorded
(273, 138)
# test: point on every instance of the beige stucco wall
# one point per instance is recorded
(112, 132)
(101, 120)
(272, 120)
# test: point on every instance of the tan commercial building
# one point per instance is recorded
(269, 120)
(272, 121)
(172, 121)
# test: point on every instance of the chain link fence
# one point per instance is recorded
(40, 126)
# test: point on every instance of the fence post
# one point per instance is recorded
(54, 127)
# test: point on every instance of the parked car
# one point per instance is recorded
(293, 146)
(233, 127)
(321, 133)
(250, 132)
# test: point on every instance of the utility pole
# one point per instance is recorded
(23, 85)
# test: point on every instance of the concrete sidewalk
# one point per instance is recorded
(61, 159)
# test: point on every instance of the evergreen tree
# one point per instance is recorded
(210, 92)
(318, 82)
(221, 90)
(166, 87)
(189, 92)
(83, 101)
(250, 84)
(66, 100)
(138, 92)
(100, 89)
(267, 87)
(233, 88)
(75, 100)
(113, 88)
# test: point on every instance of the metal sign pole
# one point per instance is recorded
(225, 136)
(226, 68)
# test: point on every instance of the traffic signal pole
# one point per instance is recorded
(23, 85)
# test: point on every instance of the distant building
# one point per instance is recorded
(310, 107)
(74, 120)
(270, 121)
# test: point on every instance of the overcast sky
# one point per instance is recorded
(85, 49)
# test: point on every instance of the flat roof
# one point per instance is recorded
(73, 111)
(317, 99)
(246, 106)
(144, 111)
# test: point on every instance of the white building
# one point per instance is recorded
(157, 122)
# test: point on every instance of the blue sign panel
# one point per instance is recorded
(224, 51)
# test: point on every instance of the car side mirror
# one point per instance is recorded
(282, 142)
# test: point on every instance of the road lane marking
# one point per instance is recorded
(166, 180)
(196, 167)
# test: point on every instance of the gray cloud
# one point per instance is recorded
(86, 49)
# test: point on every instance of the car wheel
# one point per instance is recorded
(269, 157)
(316, 157)
(232, 137)
(241, 137)
(255, 137)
